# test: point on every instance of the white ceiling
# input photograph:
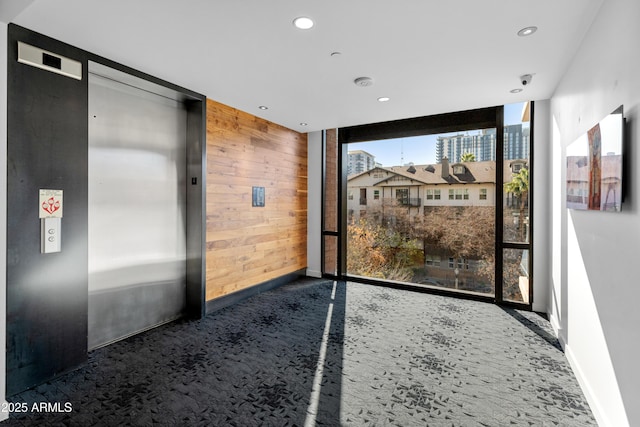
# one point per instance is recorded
(428, 56)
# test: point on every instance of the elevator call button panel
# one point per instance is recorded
(50, 212)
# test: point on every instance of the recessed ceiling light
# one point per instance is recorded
(363, 81)
(518, 90)
(527, 31)
(263, 107)
(303, 23)
(383, 99)
(303, 124)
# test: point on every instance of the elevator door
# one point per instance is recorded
(137, 209)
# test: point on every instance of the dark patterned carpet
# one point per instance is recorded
(295, 356)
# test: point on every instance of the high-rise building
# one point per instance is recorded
(516, 142)
(483, 145)
(360, 161)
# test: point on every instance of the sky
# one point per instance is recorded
(421, 150)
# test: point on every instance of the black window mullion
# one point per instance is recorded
(342, 208)
(499, 231)
(323, 231)
(515, 245)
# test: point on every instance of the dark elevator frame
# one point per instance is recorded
(483, 118)
(47, 147)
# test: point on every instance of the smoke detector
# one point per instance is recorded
(363, 81)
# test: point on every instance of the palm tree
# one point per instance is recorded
(468, 157)
(519, 187)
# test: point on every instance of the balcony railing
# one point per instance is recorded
(363, 201)
(410, 202)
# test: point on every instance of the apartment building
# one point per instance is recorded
(423, 186)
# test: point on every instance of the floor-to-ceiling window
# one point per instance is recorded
(443, 203)
(516, 201)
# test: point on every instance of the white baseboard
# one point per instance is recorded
(557, 329)
(314, 273)
(596, 409)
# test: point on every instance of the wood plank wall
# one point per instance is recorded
(249, 245)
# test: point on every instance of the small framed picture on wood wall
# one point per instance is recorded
(257, 199)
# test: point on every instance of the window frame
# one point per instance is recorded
(484, 118)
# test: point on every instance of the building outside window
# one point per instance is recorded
(483, 194)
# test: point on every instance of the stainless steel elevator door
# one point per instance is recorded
(137, 209)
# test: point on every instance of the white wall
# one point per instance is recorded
(595, 291)
(541, 220)
(3, 211)
(314, 203)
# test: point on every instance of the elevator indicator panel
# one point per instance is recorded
(51, 61)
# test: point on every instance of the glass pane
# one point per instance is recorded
(330, 255)
(331, 182)
(516, 173)
(515, 271)
(429, 222)
(459, 247)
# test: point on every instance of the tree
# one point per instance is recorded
(519, 187)
(468, 157)
(462, 232)
(380, 252)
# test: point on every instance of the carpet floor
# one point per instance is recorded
(317, 352)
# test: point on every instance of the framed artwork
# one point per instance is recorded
(594, 166)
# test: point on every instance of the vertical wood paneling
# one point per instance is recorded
(249, 245)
